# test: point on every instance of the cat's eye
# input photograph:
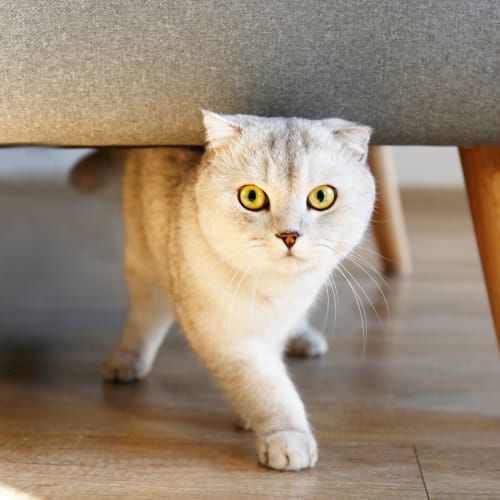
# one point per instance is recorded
(252, 197)
(322, 197)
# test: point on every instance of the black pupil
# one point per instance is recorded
(252, 195)
(321, 196)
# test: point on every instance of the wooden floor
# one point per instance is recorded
(413, 412)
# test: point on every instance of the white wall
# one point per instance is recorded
(428, 166)
(38, 164)
(416, 165)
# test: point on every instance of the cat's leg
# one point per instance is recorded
(240, 421)
(306, 341)
(254, 377)
(149, 320)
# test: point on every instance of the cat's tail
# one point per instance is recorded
(97, 170)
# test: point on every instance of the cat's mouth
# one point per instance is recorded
(291, 257)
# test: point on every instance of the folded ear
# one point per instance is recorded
(353, 136)
(219, 129)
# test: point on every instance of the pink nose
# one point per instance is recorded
(289, 238)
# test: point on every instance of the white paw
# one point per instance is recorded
(124, 366)
(307, 344)
(288, 450)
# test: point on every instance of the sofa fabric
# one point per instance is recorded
(135, 72)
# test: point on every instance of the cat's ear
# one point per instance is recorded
(219, 129)
(353, 136)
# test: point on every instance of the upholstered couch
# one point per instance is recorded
(133, 72)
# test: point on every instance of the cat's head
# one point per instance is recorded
(283, 194)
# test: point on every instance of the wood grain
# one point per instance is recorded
(417, 407)
(481, 167)
(453, 471)
(388, 220)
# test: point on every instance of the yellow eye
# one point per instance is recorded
(252, 197)
(322, 197)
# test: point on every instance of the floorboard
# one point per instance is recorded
(411, 411)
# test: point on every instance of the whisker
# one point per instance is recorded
(360, 287)
(223, 260)
(361, 309)
(336, 294)
(351, 258)
(367, 263)
(327, 306)
(332, 286)
(234, 274)
(358, 245)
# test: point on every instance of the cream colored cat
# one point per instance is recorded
(235, 243)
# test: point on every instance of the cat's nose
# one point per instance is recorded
(289, 238)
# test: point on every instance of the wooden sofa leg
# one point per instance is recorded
(481, 167)
(388, 223)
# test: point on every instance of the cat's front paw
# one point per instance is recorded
(310, 343)
(288, 450)
(124, 366)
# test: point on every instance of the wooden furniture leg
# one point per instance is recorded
(388, 223)
(481, 167)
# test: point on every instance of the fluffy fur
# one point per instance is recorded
(195, 254)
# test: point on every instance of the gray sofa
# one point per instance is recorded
(136, 72)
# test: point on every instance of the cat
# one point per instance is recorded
(235, 242)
